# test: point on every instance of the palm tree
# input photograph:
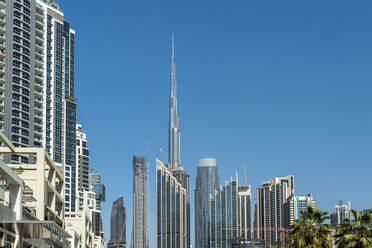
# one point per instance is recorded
(356, 233)
(310, 231)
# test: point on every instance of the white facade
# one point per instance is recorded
(270, 211)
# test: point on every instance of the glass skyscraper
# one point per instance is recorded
(117, 222)
(224, 224)
(207, 182)
(171, 209)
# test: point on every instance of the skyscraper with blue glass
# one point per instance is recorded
(224, 218)
(207, 182)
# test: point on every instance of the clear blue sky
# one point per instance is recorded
(283, 87)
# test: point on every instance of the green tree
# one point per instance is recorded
(310, 231)
(355, 232)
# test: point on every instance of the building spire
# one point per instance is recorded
(173, 125)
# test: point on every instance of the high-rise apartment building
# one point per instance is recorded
(230, 214)
(207, 181)
(77, 176)
(224, 215)
(341, 212)
(95, 180)
(139, 203)
(38, 108)
(294, 207)
(245, 212)
(271, 201)
(178, 173)
(171, 209)
(118, 222)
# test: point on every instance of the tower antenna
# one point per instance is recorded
(245, 174)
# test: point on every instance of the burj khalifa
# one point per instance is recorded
(174, 160)
(173, 124)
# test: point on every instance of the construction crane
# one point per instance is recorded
(117, 242)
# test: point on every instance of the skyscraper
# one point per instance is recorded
(340, 213)
(294, 207)
(178, 173)
(271, 200)
(245, 212)
(207, 182)
(224, 224)
(139, 203)
(39, 108)
(95, 180)
(171, 209)
(118, 221)
(174, 159)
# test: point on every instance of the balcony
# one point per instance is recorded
(39, 10)
(38, 123)
(2, 12)
(39, 61)
(39, 38)
(2, 38)
(39, 32)
(39, 77)
(39, 100)
(39, 118)
(39, 106)
(39, 93)
(2, 28)
(39, 85)
(2, 20)
(39, 20)
(39, 47)
(2, 70)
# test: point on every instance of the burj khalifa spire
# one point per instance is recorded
(173, 125)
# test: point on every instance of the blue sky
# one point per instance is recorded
(283, 87)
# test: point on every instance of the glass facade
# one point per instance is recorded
(225, 216)
(171, 209)
(207, 182)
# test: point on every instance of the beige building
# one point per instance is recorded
(80, 222)
(33, 198)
